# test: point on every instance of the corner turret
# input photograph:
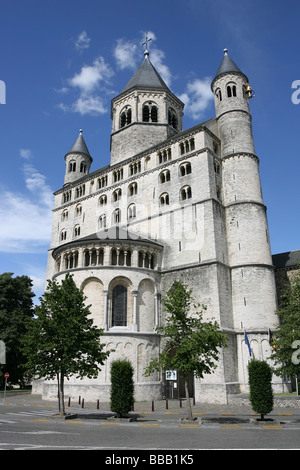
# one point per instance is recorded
(78, 160)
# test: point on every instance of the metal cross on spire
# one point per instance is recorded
(146, 53)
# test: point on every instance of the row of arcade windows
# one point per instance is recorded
(149, 114)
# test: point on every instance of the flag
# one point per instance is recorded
(247, 342)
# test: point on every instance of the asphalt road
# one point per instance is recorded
(34, 427)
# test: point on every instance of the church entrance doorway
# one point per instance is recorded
(175, 387)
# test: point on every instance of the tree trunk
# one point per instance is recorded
(61, 401)
(189, 407)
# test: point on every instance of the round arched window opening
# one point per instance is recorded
(119, 306)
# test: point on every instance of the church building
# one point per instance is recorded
(173, 204)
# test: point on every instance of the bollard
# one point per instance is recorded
(152, 405)
(194, 401)
(79, 400)
(69, 402)
(82, 406)
(97, 404)
(180, 403)
(167, 405)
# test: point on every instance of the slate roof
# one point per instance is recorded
(146, 76)
(79, 145)
(227, 66)
(286, 260)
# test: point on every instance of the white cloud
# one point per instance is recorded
(26, 219)
(157, 57)
(90, 76)
(197, 97)
(82, 41)
(125, 54)
(91, 80)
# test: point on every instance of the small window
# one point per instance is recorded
(82, 167)
(149, 112)
(116, 195)
(164, 176)
(103, 200)
(63, 235)
(185, 169)
(72, 166)
(119, 306)
(125, 117)
(132, 189)
(172, 118)
(76, 231)
(78, 210)
(164, 199)
(102, 221)
(186, 193)
(131, 212)
(116, 219)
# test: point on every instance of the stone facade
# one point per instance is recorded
(172, 205)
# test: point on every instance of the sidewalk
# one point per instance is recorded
(162, 412)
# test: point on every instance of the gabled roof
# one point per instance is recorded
(79, 145)
(146, 76)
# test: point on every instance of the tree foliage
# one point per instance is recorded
(260, 383)
(190, 344)
(16, 305)
(287, 336)
(62, 340)
(122, 386)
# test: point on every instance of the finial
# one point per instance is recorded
(146, 53)
(225, 51)
(80, 131)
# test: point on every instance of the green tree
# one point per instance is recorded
(16, 306)
(62, 339)
(286, 339)
(260, 383)
(122, 386)
(190, 344)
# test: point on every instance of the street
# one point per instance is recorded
(35, 428)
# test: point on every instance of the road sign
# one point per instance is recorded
(6, 375)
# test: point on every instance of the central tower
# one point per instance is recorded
(144, 114)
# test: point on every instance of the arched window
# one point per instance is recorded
(78, 210)
(116, 195)
(125, 117)
(185, 169)
(63, 235)
(116, 217)
(164, 176)
(102, 221)
(231, 90)
(131, 212)
(219, 94)
(164, 199)
(119, 306)
(132, 189)
(185, 193)
(76, 231)
(149, 112)
(172, 118)
(72, 166)
(103, 200)
(65, 215)
(82, 167)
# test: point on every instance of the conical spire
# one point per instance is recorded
(227, 66)
(79, 145)
(146, 76)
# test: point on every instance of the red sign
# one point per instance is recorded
(6, 375)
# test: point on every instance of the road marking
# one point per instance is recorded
(149, 424)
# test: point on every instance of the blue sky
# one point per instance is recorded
(62, 61)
